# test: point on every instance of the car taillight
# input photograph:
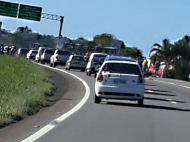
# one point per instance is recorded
(100, 77)
(140, 79)
(56, 56)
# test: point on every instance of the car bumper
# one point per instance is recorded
(59, 62)
(115, 92)
(77, 66)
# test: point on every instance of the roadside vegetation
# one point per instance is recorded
(23, 86)
(176, 55)
(24, 37)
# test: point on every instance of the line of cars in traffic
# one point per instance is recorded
(116, 77)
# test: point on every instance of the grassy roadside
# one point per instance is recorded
(22, 89)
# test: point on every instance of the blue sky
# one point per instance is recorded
(139, 23)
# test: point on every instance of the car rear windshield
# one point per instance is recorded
(49, 51)
(122, 68)
(120, 59)
(64, 53)
(97, 57)
(79, 58)
(24, 51)
(35, 52)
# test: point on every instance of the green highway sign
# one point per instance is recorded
(8, 9)
(30, 12)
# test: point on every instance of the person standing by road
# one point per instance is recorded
(144, 66)
(157, 66)
(2, 49)
(8, 50)
(140, 61)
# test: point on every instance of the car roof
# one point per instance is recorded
(99, 54)
(50, 49)
(123, 62)
(121, 57)
(77, 55)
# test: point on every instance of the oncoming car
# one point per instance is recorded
(119, 80)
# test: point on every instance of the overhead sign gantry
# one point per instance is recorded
(27, 12)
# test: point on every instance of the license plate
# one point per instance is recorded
(120, 81)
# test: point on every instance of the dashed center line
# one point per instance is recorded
(173, 84)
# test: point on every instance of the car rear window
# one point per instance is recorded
(24, 51)
(49, 51)
(64, 53)
(78, 58)
(97, 57)
(118, 59)
(122, 68)
(35, 52)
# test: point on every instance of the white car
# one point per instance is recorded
(45, 58)
(39, 54)
(31, 54)
(93, 61)
(76, 62)
(59, 58)
(119, 80)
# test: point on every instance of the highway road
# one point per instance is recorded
(165, 116)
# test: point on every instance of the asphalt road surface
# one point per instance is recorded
(165, 117)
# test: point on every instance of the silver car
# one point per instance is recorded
(76, 62)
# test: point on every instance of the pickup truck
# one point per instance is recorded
(59, 58)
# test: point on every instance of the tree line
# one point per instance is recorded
(24, 37)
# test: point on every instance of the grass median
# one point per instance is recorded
(23, 86)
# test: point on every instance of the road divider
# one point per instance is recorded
(60, 119)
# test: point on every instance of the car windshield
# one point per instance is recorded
(122, 68)
(79, 58)
(63, 53)
(35, 52)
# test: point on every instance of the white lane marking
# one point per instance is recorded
(52, 125)
(150, 91)
(173, 102)
(173, 84)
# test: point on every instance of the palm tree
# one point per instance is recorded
(162, 51)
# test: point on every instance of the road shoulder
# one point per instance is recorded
(68, 93)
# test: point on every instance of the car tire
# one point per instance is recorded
(54, 65)
(97, 99)
(141, 102)
(42, 62)
(89, 73)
